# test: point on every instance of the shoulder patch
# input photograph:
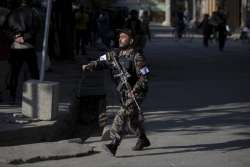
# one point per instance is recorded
(103, 58)
(144, 70)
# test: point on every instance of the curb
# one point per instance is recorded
(43, 152)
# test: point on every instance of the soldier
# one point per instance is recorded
(132, 91)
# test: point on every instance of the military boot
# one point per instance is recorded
(141, 143)
(112, 147)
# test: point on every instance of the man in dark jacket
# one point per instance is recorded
(135, 25)
(24, 24)
(132, 91)
(206, 28)
(222, 28)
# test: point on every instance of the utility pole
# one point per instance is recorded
(194, 9)
(45, 40)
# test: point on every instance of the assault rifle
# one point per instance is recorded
(124, 75)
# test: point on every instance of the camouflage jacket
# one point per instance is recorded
(134, 63)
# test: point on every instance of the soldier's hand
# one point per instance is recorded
(19, 39)
(130, 94)
(84, 67)
(88, 67)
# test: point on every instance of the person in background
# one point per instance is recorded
(214, 23)
(24, 24)
(81, 21)
(135, 25)
(180, 23)
(93, 27)
(206, 29)
(222, 29)
(104, 28)
(118, 23)
(145, 19)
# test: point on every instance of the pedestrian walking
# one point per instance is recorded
(135, 25)
(117, 23)
(180, 23)
(81, 21)
(222, 28)
(213, 21)
(130, 72)
(93, 27)
(206, 29)
(104, 28)
(145, 19)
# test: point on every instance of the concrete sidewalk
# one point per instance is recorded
(32, 153)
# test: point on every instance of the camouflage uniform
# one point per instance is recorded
(129, 114)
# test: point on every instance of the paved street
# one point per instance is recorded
(197, 110)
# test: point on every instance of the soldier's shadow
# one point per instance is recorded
(227, 146)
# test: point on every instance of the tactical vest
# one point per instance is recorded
(127, 62)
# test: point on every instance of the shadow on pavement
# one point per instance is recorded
(200, 120)
(233, 145)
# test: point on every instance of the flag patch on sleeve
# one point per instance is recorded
(144, 70)
(103, 57)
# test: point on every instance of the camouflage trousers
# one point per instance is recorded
(127, 119)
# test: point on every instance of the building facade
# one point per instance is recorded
(237, 11)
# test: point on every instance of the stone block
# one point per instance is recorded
(40, 99)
